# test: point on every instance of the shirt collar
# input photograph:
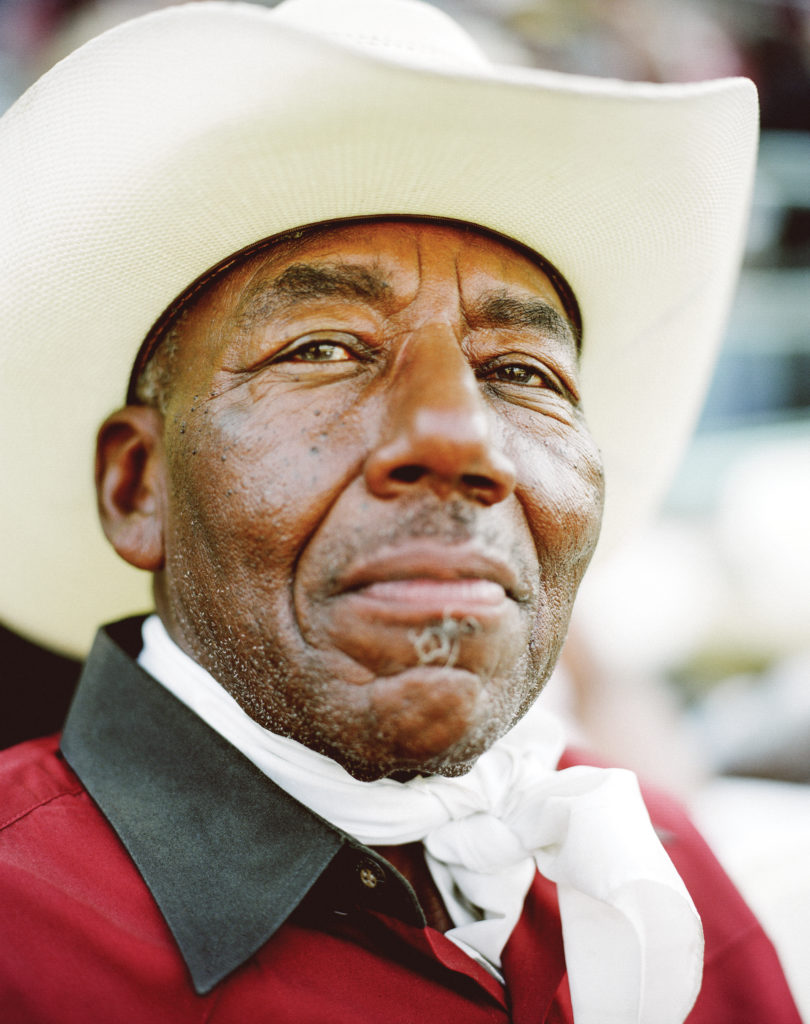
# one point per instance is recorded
(226, 873)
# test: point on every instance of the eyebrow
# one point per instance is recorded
(302, 282)
(499, 309)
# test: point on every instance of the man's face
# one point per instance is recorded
(381, 493)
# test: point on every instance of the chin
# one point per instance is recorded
(453, 761)
(401, 773)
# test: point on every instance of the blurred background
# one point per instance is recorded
(689, 654)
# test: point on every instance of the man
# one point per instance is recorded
(365, 287)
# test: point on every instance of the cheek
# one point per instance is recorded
(561, 486)
(250, 488)
(561, 491)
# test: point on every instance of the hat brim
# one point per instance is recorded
(161, 147)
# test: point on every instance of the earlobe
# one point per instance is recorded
(130, 484)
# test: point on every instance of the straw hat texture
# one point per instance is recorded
(164, 145)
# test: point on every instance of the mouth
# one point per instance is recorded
(426, 580)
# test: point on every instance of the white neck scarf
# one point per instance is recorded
(633, 940)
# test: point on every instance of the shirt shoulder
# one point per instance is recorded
(32, 774)
(79, 930)
(57, 850)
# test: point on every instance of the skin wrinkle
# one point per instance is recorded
(278, 480)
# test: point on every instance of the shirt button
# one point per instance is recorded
(371, 874)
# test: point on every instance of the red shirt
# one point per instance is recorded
(244, 906)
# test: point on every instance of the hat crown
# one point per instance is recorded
(406, 31)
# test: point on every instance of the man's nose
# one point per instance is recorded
(436, 429)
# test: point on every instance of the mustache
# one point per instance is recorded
(441, 522)
(452, 521)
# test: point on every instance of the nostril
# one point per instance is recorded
(408, 474)
(477, 483)
(392, 472)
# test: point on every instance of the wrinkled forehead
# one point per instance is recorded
(351, 248)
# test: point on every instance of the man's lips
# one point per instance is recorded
(425, 579)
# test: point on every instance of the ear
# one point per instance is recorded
(131, 484)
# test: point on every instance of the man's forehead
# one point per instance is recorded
(381, 262)
(391, 246)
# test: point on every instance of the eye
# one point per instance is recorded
(322, 347)
(515, 373)
(320, 352)
(520, 374)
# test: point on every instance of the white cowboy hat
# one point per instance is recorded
(176, 139)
